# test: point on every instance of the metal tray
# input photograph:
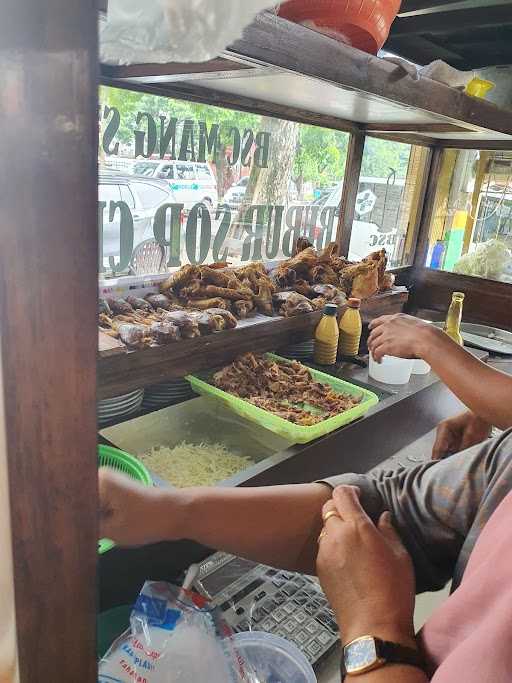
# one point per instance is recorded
(486, 337)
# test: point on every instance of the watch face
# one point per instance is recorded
(360, 654)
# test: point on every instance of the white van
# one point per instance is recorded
(191, 182)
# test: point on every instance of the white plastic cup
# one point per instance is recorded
(391, 370)
(420, 367)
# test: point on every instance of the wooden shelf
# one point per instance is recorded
(294, 70)
(123, 373)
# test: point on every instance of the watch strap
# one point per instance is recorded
(394, 653)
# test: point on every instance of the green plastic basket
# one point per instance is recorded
(288, 430)
(127, 464)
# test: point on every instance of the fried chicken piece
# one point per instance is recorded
(319, 303)
(301, 244)
(331, 294)
(160, 301)
(165, 333)
(323, 274)
(211, 276)
(361, 280)
(289, 304)
(131, 335)
(207, 322)
(263, 300)
(180, 278)
(230, 322)
(203, 304)
(304, 288)
(139, 304)
(225, 293)
(381, 258)
(242, 308)
(328, 253)
(119, 306)
(185, 322)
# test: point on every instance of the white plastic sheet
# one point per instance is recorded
(146, 31)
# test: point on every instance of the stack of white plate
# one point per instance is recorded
(115, 409)
(167, 394)
(300, 352)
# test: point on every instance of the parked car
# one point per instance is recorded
(191, 182)
(143, 197)
(236, 193)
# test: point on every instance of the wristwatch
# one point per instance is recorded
(367, 653)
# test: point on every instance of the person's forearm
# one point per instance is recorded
(276, 525)
(484, 390)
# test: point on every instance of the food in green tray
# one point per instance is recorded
(287, 390)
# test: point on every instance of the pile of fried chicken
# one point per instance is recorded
(197, 300)
(308, 268)
(287, 390)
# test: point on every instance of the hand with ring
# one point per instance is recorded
(365, 571)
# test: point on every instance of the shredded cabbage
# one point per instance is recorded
(489, 260)
(189, 464)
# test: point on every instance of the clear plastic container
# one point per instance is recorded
(270, 658)
(420, 367)
(391, 370)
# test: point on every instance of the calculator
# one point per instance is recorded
(255, 597)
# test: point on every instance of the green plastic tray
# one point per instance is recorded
(127, 464)
(293, 432)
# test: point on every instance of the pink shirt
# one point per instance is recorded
(469, 638)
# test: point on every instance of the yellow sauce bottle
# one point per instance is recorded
(326, 337)
(454, 317)
(351, 327)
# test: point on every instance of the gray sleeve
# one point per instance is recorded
(435, 505)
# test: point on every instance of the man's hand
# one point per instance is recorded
(131, 514)
(400, 335)
(365, 572)
(458, 433)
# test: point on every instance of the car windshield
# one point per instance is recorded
(145, 168)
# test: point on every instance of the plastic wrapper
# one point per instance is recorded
(173, 30)
(174, 637)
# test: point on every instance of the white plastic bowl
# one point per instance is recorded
(420, 367)
(391, 370)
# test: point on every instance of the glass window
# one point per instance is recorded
(185, 172)
(241, 187)
(127, 196)
(203, 172)
(145, 169)
(387, 204)
(150, 195)
(471, 231)
(108, 192)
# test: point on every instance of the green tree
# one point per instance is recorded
(320, 158)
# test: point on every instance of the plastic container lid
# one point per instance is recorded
(273, 658)
(330, 309)
(354, 303)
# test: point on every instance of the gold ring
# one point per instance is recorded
(331, 513)
(322, 535)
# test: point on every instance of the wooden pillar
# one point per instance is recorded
(350, 190)
(48, 313)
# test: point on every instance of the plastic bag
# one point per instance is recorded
(174, 637)
(173, 30)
